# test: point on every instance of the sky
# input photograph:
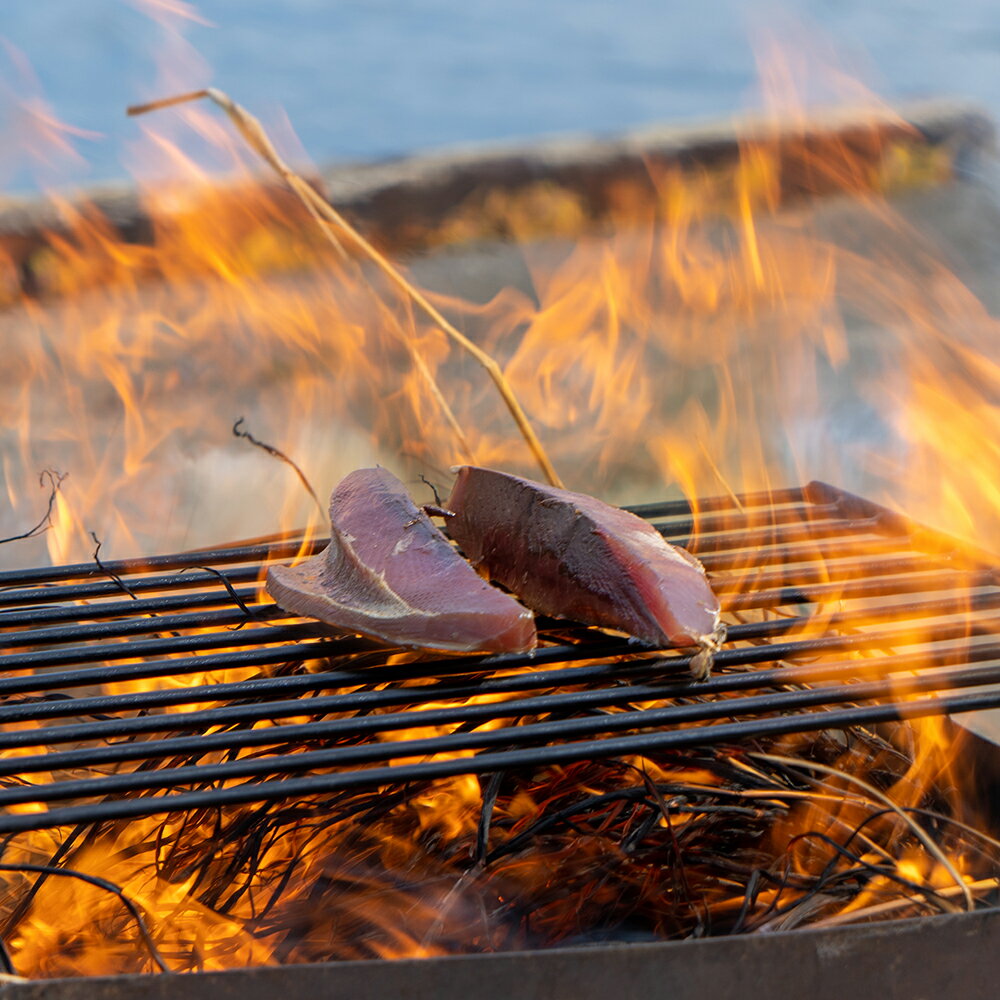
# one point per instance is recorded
(368, 79)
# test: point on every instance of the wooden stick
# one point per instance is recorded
(326, 215)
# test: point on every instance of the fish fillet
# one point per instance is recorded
(568, 555)
(389, 573)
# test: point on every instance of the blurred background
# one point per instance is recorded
(364, 79)
(680, 328)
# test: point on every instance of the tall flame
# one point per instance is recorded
(719, 339)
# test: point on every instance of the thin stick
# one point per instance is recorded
(104, 569)
(100, 883)
(242, 432)
(55, 481)
(922, 835)
(877, 909)
(326, 215)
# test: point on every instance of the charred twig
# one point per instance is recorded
(64, 849)
(940, 818)
(100, 883)
(6, 962)
(107, 572)
(661, 804)
(880, 909)
(917, 829)
(337, 229)
(860, 865)
(548, 821)
(489, 794)
(434, 489)
(280, 455)
(433, 510)
(55, 481)
(230, 589)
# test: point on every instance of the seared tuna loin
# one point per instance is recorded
(389, 573)
(569, 555)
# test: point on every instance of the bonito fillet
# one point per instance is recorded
(389, 573)
(569, 555)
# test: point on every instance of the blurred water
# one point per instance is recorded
(373, 78)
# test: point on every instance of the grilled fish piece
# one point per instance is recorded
(569, 555)
(389, 573)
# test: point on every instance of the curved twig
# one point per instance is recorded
(100, 883)
(242, 432)
(918, 830)
(55, 481)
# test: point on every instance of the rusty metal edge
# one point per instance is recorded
(933, 957)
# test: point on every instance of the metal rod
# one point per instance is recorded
(486, 763)
(716, 562)
(800, 575)
(930, 679)
(738, 532)
(176, 560)
(260, 656)
(88, 630)
(41, 617)
(822, 551)
(709, 524)
(867, 552)
(760, 498)
(730, 657)
(523, 735)
(107, 653)
(726, 658)
(108, 588)
(855, 589)
(285, 549)
(848, 533)
(102, 631)
(835, 569)
(367, 700)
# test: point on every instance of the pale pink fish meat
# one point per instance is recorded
(389, 573)
(569, 555)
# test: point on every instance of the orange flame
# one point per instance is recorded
(719, 339)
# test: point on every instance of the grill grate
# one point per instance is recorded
(841, 613)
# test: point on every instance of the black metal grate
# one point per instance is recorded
(117, 697)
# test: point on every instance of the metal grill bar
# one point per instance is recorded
(821, 575)
(623, 746)
(390, 698)
(541, 732)
(82, 654)
(34, 709)
(929, 680)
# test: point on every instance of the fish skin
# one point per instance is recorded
(569, 555)
(390, 574)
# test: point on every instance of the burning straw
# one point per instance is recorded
(631, 849)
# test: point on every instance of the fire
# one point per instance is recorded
(720, 337)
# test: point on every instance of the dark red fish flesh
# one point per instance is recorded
(568, 555)
(389, 573)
